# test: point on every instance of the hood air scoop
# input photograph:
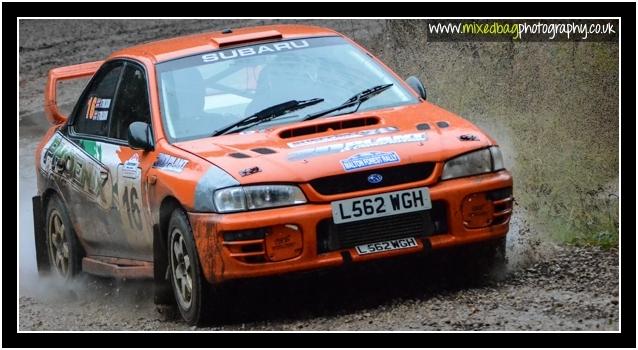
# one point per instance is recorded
(330, 125)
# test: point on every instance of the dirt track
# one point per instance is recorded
(547, 287)
(573, 290)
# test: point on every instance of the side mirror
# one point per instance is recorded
(140, 136)
(417, 86)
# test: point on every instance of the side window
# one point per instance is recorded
(131, 102)
(95, 109)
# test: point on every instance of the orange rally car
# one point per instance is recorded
(255, 152)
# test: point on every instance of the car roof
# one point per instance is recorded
(168, 49)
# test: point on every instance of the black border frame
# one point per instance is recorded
(627, 338)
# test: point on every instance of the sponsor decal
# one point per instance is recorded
(131, 168)
(101, 115)
(368, 159)
(345, 136)
(355, 145)
(80, 167)
(255, 50)
(91, 147)
(98, 108)
(103, 103)
(250, 171)
(250, 132)
(68, 165)
(170, 163)
(375, 178)
(468, 137)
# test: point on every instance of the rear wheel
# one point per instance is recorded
(193, 294)
(62, 245)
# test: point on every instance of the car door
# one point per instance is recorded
(90, 184)
(131, 104)
(113, 222)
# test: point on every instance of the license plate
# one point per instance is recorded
(378, 205)
(386, 246)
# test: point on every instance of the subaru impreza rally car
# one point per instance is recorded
(255, 152)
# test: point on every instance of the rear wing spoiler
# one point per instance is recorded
(64, 73)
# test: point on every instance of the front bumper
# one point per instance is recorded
(222, 260)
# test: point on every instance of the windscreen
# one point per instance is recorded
(202, 94)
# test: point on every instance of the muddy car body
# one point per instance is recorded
(155, 175)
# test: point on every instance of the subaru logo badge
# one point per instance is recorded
(375, 178)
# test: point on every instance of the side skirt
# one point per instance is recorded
(118, 268)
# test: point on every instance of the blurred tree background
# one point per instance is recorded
(553, 106)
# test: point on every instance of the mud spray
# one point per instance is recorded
(28, 274)
(525, 243)
(30, 283)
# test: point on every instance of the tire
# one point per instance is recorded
(63, 248)
(495, 256)
(476, 263)
(194, 296)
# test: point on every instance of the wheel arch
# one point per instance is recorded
(168, 205)
(163, 292)
(48, 194)
(41, 221)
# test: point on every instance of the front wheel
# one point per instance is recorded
(476, 262)
(495, 256)
(193, 294)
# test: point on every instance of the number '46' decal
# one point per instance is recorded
(130, 201)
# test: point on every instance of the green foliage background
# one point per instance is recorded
(553, 105)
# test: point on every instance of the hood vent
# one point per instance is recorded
(334, 125)
(238, 155)
(423, 126)
(263, 150)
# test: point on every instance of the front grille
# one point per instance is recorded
(352, 182)
(331, 237)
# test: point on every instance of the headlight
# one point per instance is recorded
(257, 197)
(478, 162)
(497, 158)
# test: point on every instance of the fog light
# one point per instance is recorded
(284, 242)
(478, 211)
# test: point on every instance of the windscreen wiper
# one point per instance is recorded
(268, 114)
(357, 100)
